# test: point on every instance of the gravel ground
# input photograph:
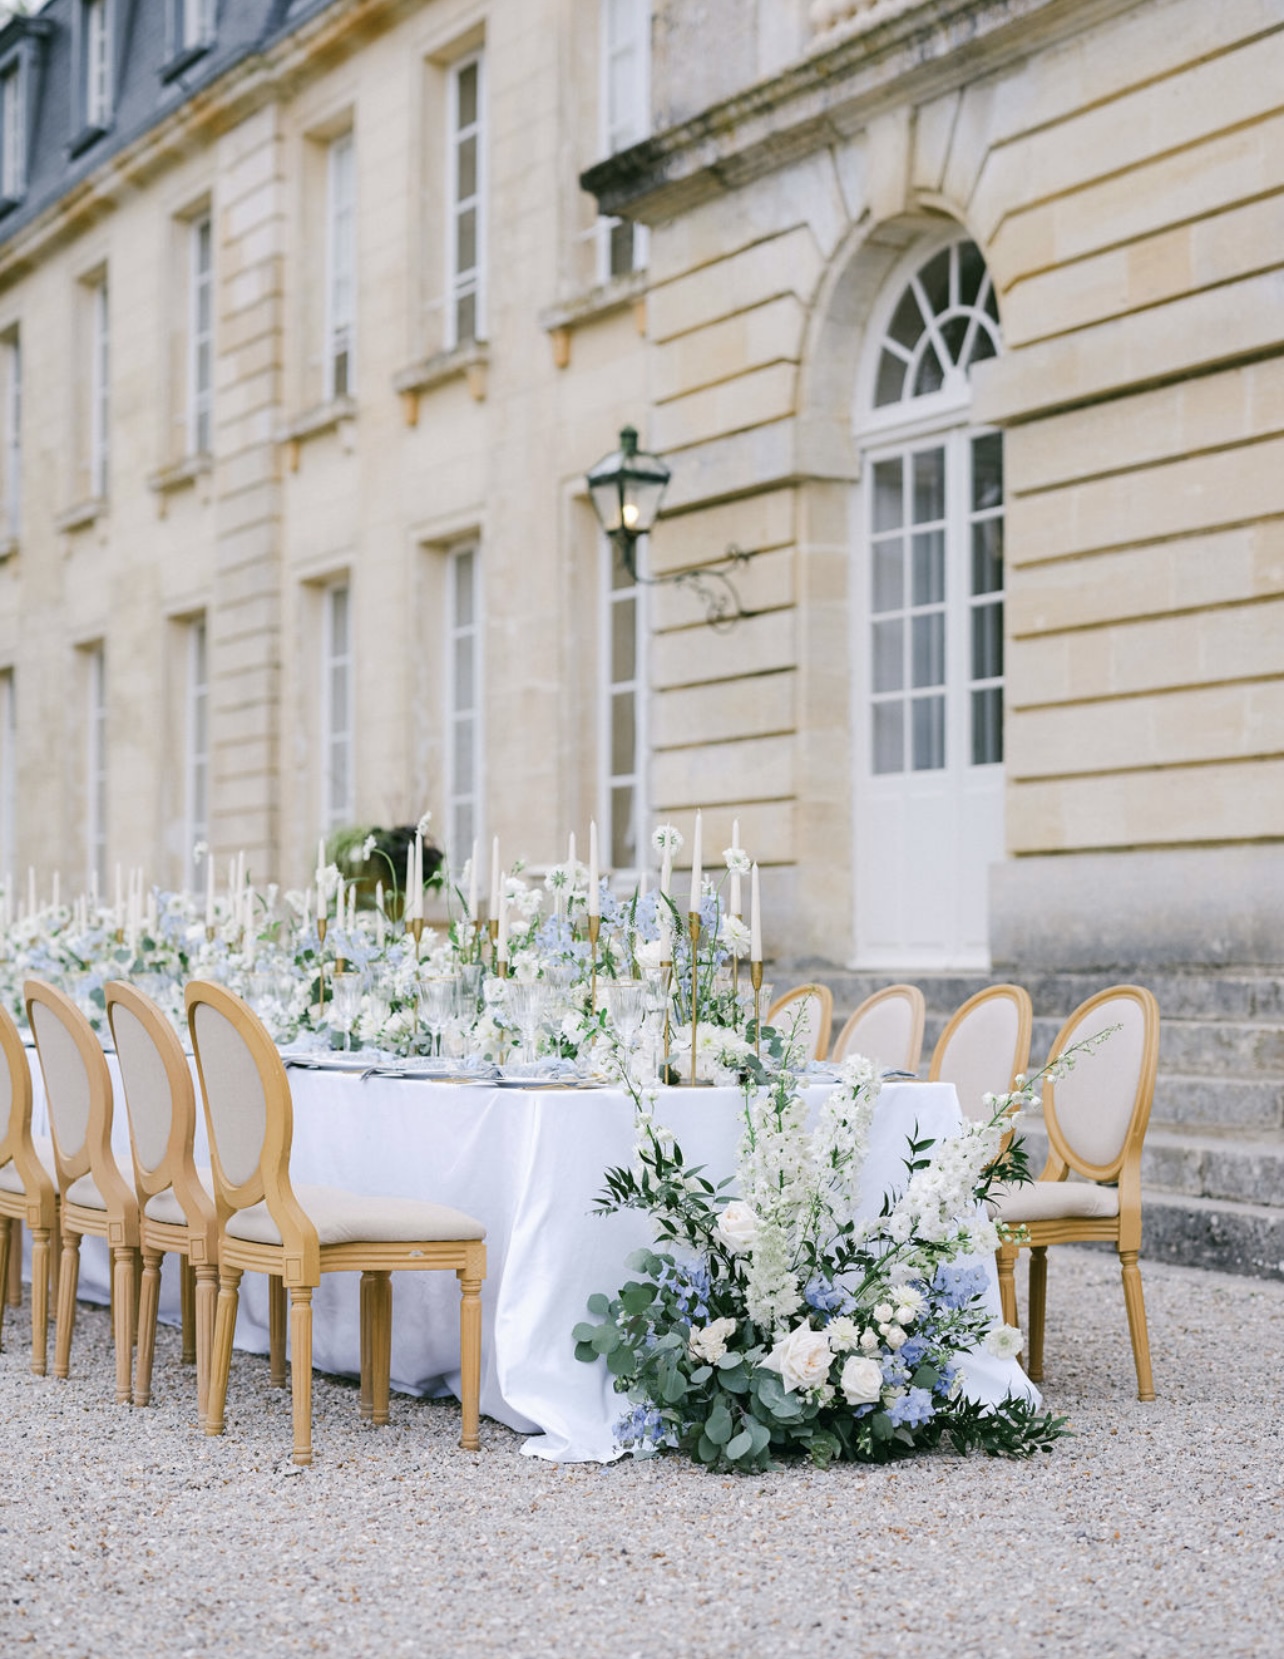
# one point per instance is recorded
(1158, 1531)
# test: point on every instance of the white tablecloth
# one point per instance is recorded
(529, 1165)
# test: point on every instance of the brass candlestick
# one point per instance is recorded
(693, 923)
(594, 928)
(492, 932)
(666, 968)
(209, 934)
(755, 979)
(321, 927)
(478, 925)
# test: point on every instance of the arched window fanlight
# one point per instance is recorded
(946, 319)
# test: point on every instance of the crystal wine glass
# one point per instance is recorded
(346, 993)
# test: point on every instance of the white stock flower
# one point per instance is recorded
(843, 1335)
(709, 1342)
(1004, 1341)
(861, 1381)
(737, 861)
(738, 1227)
(802, 1358)
(424, 825)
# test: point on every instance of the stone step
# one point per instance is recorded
(1220, 1102)
(1207, 1232)
(1234, 1168)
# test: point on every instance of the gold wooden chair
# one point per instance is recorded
(27, 1191)
(176, 1213)
(985, 1046)
(887, 1027)
(269, 1226)
(807, 1013)
(96, 1198)
(1096, 1121)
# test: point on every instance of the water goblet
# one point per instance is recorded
(346, 1003)
(527, 1001)
(435, 995)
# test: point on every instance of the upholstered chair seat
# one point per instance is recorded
(1053, 1200)
(10, 1176)
(343, 1217)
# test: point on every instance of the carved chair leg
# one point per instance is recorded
(40, 1254)
(68, 1279)
(470, 1331)
(367, 1390)
(381, 1347)
(1136, 1305)
(148, 1304)
(301, 1370)
(8, 1227)
(205, 1303)
(1038, 1306)
(123, 1276)
(187, 1301)
(276, 1331)
(11, 1279)
(1005, 1258)
(221, 1359)
(55, 1262)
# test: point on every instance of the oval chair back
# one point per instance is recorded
(887, 1028)
(804, 1016)
(27, 1191)
(985, 1046)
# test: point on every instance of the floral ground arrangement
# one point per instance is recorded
(778, 1323)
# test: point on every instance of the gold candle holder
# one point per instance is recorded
(415, 928)
(477, 926)
(693, 924)
(501, 968)
(492, 933)
(666, 968)
(594, 929)
(321, 930)
(209, 934)
(755, 979)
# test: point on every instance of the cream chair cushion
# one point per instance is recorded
(66, 1080)
(1095, 1103)
(11, 1181)
(980, 1056)
(884, 1034)
(1055, 1201)
(165, 1207)
(349, 1218)
(85, 1193)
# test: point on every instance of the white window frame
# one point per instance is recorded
(196, 753)
(8, 773)
(618, 132)
(99, 388)
(13, 433)
(457, 798)
(196, 23)
(97, 22)
(13, 131)
(337, 721)
(200, 336)
(96, 764)
(608, 687)
(341, 265)
(461, 284)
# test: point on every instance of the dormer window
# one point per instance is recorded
(13, 132)
(191, 26)
(97, 22)
(197, 22)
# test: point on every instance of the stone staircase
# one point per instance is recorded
(1213, 1167)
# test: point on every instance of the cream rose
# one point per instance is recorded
(709, 1342)
(802, 1358)
(738, 1227)
(861, 1381)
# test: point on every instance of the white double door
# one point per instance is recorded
(928, 703)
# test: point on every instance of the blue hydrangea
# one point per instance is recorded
(958, 1283)
(945, 1382)
(912, 1410)
(825, 1296)
(914, 1349)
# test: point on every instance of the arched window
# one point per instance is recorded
(930, 656)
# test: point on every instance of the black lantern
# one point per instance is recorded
(626, 489)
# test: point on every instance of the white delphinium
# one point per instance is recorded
(423, 827)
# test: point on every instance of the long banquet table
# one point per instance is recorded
(529, 1164)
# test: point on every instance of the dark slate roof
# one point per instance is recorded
(146, 87)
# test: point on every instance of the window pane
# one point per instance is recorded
(928, 641)
(929, 733)
(982, 347)
(463, 563)
(889, 574)
(889, 737)
(339, 699)
(929, 486)
(464, 675)
(623, 734)
(907, 322)
(891, 380)
(930, 377)
(987, 726)
(466, 173)
(888, 502)
(624, 632)
(987, 642)
(954, 332)
(929, 568)
(935, 278)
(462, 760)
(462, 828)
(987, 556)
(971, 270)
(624, 848)
(338, 621)
(889, 670)
(620, 577)
(466, 240)
(467, 81)
(622, 257)
(466, 317)
(987, 471)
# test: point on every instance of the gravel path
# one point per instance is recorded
(1158, 1531)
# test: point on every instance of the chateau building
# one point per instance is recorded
(962, 317)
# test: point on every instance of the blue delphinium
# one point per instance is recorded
(912, 1410)
(913, 1349)
(825, 1296)
(958, 1283)
(641, 1430)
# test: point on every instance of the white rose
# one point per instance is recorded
(861, 1381)
(1004, 1341)
(869, 1339)
(738, 1227)
(802, 1358)
(709, 1342)
(883, 1313)
(895, 1337)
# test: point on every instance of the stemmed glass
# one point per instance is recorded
(626, 1002)
(346, 1007)
(435, 998)
(527, 1001)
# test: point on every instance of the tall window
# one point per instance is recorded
(196, 20)
(623, 703)
(626, 117)
(196, 805)
(96, 765)
(13, 135)
(336, 707)
(12, 370)
(8, 774)
(99, 388)
(340, 272)
(200, 346)
(466, 229)
(97, 38)
(463, 702)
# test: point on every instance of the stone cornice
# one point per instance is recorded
(888, 53)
